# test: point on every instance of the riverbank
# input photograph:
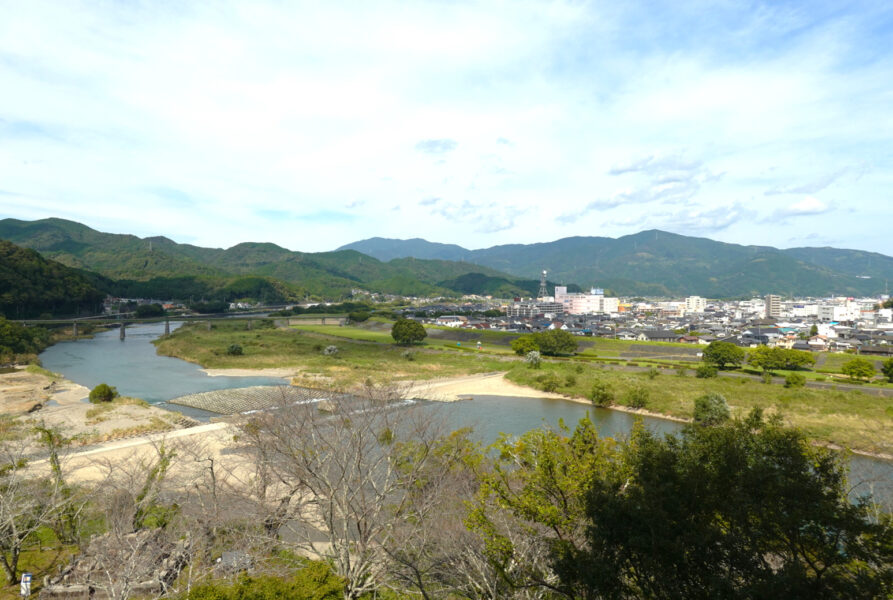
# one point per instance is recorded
(34, 396)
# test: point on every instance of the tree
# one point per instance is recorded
(554, 342)
(769, 359)
(858, 368)
(722, 354)
(533, 359)
(602, 394)
(711, 409)
(524, 344)
(887, 369)
(748, 509)
(407, 332)
(814, 330)
(338, 479)
(149, 310)
(103, 393)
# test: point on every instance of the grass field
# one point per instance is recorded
(849, 418)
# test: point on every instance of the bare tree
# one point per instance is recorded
(335, 478)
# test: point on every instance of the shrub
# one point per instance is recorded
(602, 394)
(103, 393)
(636, 397)
(579, 368)
(408, 355)
(317, 347)
(524, 345)
(887, 369)
(767, 377)
(705, 371)
(358, 316)
(711, 409)
(653, 372)
(331, 351)
(570, 380)
(548, 382)
(858, 368)
(234, 350)
(794, 380)
(533, 359)
(683, 372)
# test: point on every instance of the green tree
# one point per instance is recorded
(711, 409)
(748, 509)
(407, 332)
(858, 368)
(149, 310)
(769, 359)
(794, 380)
(602, 394)
(103, 393)
(524, 344)
(533, 359)
(723, 354)
(555, 342)
(814, 330)
(887, 369)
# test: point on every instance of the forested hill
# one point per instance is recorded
(660, 263)
(31, 285)
(161, 268)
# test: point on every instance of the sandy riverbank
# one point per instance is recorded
(50, 399)
(285, 373)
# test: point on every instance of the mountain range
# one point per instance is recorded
(158, 267)
(659, 263)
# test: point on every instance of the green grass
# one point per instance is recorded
(301, 348)
(848, 418)
(38, 370)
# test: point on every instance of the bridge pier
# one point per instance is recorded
(122, 330)
(167, 327)
(74, 330)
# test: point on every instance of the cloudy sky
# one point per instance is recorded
(315, 124)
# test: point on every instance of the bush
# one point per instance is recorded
(602, 394)
(103, 393)
(705, 371)
(234, 350)
(524, 345)
(408, 355)
(711, 409)
(767, 377)
(331, 351)
(358, 316)
(683, 372)
(548, 382)
(858, 368)
(794, 380)
(570, 380)
(636, 397)
(533, 359)
(407, 332)
(653, 372)
(579, 368)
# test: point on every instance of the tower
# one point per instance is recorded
(543, 292)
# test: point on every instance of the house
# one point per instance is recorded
(658, 336)
(818, 343)
(760, 336)
(451, 320)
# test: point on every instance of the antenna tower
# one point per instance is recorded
(543, 291)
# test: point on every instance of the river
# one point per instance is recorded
(133, 367)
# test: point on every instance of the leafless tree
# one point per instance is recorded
(341, 479)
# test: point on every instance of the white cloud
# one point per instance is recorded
(527, 122)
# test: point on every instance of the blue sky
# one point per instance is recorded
(315, 124)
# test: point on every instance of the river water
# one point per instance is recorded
(136, 370)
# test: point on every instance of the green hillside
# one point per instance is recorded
(158, 267)
(31, 285)
(658, 263)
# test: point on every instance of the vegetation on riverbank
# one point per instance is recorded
(846, 418)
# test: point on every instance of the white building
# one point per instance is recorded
(592, 303)
(695, 304)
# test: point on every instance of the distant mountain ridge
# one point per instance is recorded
(160, 267)
(656, 262)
